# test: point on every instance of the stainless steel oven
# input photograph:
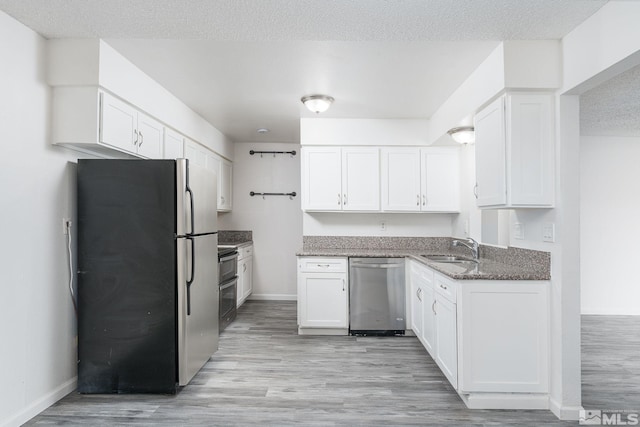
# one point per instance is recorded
(228, 283)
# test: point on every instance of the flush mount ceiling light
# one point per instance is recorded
(263, 130)
(463, 134)
(317, 103)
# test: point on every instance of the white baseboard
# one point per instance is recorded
(273, 297)
(505, 400)
(568, 413)
(635, 311)
(34, 408)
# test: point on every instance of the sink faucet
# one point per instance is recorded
(468, 243)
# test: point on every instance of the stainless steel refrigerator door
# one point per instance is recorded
(197, 309)
(376, 294)
(197, 187)
(197, 263)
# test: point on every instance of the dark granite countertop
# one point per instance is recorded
(486, 269)
(236, 243)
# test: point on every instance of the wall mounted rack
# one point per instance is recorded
(291, 195)
(252, 152)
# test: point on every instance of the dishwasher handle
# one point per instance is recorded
(358, 265)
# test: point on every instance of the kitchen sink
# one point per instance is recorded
(450, 259)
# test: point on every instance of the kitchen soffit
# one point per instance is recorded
(244, 64)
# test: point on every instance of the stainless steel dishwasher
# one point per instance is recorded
(376, 296)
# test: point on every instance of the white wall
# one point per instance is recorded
(370, 224)
(609, 231)
(317, 131)
(276, 221)
(37, 183)
(93, 62)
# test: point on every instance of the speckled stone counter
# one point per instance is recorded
(494, 263)
(235, 237)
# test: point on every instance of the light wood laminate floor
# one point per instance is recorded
(264, 373)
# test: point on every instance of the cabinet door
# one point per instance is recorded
(400, 179)
(491, 172)
(321, 178)
(428, 317)
(173, 145)
(440, 183)
(150, 132)
(417, 306)
(323, 300)
(530, 136)
(118, 124)
(195, 153)
(446, 346)
(248, 277)
(360, 179)
(225, 186)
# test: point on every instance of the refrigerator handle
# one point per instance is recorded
(193, 273)
(191, 212)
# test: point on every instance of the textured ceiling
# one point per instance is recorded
(280, 20)
(613, 108)
(244, 64)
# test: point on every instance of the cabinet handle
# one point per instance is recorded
(418, 200)
(424, 200)
(345, 199)
(419, 294)
(323, 265)
(141, 139)
(222, 199)
(343, 285)
(244, 267)
(443, 286)
(433, 307)
(475, 190)
(135, 141)
(339, 199)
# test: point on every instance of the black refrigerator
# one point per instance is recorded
(147, 274)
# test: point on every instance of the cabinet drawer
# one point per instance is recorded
(445, 287)
(245, 251)
(421, 270)
(317, 264)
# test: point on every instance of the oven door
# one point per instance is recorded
(228, 300)
(227, 267)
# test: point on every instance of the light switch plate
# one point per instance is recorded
(549, 232)
(518, 231)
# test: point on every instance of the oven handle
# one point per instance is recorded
(229, 257)
(229, 283)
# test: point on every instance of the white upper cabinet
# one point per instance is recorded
(360, 179)
(173, 144)
(420, 180)
(341, 179)
(321, 179)
(401, 179)
(195, 152)
(221, 167)
(440, 179)
(124, 127)
(515, 152)
(225, 186)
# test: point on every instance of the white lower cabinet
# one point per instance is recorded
(245, 273)
(323, 296)
(446, 331)
(490, 338)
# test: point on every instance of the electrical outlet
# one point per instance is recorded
(548, 232)
(66, 224)
(518, 231)
(383, 226)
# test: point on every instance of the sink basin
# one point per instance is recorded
(450, 259)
